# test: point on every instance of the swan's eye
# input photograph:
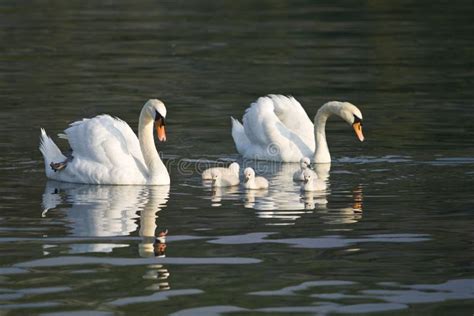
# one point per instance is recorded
(357, 120)
(159, 117)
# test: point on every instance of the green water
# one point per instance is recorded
(395, 235)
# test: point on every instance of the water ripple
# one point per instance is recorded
(155, 297)
(75, 260)
(333, 241)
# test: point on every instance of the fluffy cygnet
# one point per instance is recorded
(224, 179)
(233, 168)
(252, 182)
(311, 182)
(304, 165)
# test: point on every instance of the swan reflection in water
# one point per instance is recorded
(285, 202)
(336, 214)
(101, 211)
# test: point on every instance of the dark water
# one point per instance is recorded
(392, 234)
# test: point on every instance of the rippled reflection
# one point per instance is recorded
(218, 194)
(284, 202)
(99, 211)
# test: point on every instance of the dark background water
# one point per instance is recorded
(395, 235)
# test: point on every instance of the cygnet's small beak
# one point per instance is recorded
(246, 179)
(357, 126)
(305, 180)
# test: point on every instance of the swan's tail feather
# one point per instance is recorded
(63, 136)
(50, 151)
(240, 138)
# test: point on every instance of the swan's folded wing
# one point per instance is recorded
(105, 140)
(263, 127)
(260, 122)
(270, 138)
(293, 116)
(241, 140)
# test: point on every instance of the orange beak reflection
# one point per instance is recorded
(160, 130)
(358, 131)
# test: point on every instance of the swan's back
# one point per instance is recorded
(105, 150)
(256, 120)
(104, 139)
(275, 127)
(292, 114)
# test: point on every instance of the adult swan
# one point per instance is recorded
(105, 150)
(277, 128)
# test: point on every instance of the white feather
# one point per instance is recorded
(105, 150)
(267, 137)
(312, 183)
(252, 182)
(277, 128)
(226, 179)
(234, 168)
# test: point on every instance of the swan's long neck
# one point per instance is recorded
(322, 154)
(155, 166)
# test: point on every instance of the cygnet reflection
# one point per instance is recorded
(218, 194)
(314, 200)
(335, 214)
(284, 202)
(281, 201)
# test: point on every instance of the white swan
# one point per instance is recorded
(233, 168)
(254, 183)
(311, 183)
(226, 179)
(277, 128)
(105, 150)
(304, 165)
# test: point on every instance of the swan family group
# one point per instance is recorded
(105, 150)
(226, 177)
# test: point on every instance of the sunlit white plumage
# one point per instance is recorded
(226, 179)
(252, 182)
(105, 150)
(277, 128)
(311, 182)
(304, 165)
(233, 168)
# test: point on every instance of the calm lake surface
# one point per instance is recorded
(393, 234)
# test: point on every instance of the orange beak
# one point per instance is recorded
(358, 131)
(160, 130)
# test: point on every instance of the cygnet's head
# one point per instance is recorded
(305, 163)
(235, 167)
(307, 176)
(216, 176)
(156, 110)
(249, 173)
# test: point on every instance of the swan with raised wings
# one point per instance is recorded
(277, 128)
(105, 150)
